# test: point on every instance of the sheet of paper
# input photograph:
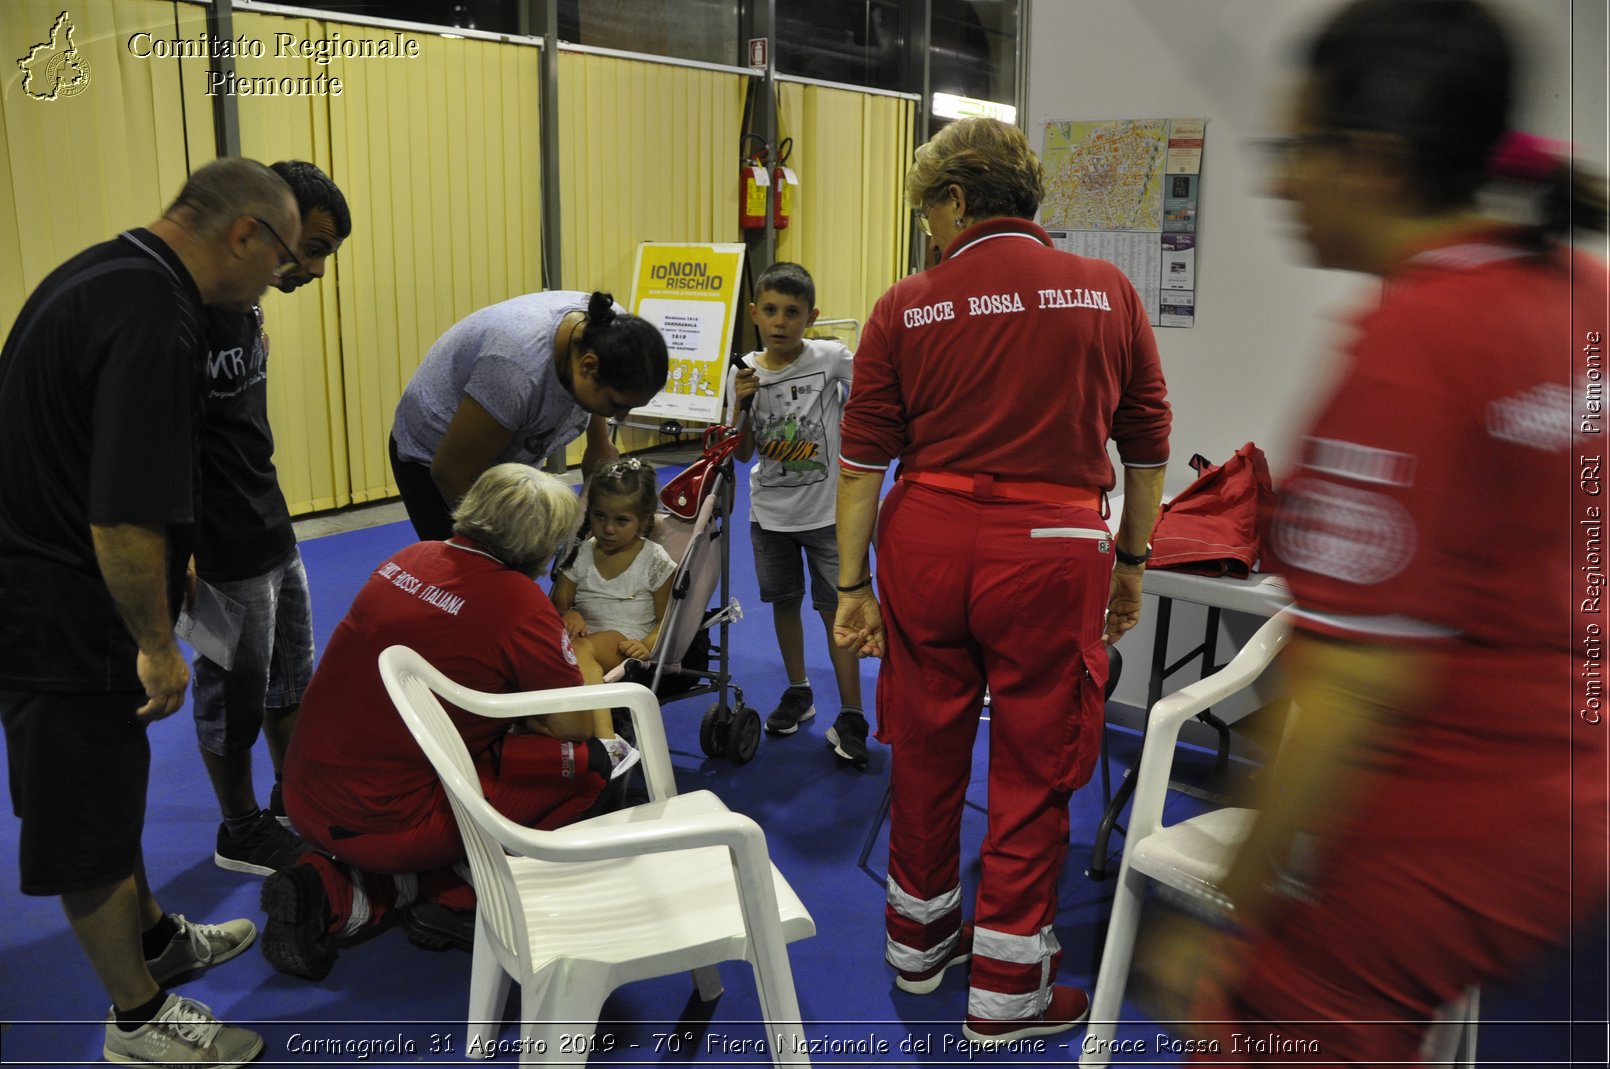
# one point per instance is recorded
(212, 625)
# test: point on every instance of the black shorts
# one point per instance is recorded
(79, 765)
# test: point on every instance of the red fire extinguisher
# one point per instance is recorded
(754, 187)
(786, 181)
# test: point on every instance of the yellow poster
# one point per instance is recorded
(690, 292)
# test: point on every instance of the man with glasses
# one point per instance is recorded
(246, 551)
(292, 261)
(99, 386)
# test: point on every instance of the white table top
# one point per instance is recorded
(1261, 593)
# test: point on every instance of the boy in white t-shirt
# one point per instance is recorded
(798, 387)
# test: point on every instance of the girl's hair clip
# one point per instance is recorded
(621, 466)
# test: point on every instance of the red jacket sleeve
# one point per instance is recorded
(1142, 420)
(873, 430)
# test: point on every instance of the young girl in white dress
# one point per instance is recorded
(613, 595)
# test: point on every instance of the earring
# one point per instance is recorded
(959, 223)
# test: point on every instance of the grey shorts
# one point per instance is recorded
(782, 574)
(273, 661)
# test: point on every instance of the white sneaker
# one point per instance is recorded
(200, 946)
(184, 1032)
(622, 755)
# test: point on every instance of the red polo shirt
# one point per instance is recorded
(1008, 358)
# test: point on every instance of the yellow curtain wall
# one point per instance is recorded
(439, 159)
(648, 152)
(305, 389)
(849, 228)
(97, 138)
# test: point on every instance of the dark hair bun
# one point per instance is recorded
(632, 357)
(601, 308)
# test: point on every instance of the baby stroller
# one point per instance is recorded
(693, 530)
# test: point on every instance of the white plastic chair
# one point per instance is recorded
(1194, 855)
(679, 883)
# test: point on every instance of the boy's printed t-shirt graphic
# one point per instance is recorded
(796, 414)
(792, 439)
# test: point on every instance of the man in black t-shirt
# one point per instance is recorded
(246, 550)
(99, 386)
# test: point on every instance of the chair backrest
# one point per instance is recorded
(408, 678)
(697, 576)
(1165, 718)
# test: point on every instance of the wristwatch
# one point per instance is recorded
(1132, 559)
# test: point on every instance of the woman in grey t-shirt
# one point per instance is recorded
(514, 382)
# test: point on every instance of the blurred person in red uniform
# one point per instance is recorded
(1436, 818)
(996, 378)
(357, 784)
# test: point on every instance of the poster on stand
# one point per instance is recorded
(690, 292)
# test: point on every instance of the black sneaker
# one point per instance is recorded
(435, 927)
(295, 940)
(263, 848)
(848, 738)
(793, 710)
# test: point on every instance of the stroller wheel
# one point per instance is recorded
(714, 730)
(745, 738)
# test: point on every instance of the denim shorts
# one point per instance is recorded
(782, 575)
(273, 661)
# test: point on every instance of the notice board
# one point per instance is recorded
(690, 292)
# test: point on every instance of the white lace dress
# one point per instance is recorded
(626, 602)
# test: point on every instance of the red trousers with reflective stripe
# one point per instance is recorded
(443, 886)
(534, 780)
(1010, 595)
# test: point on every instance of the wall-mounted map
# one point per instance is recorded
(1126, 190)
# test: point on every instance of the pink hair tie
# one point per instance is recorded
(1527, 157)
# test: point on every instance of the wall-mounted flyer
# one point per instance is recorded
(1127, 190)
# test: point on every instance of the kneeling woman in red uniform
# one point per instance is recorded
(1450, 798)
(357, 784)
(997, 378)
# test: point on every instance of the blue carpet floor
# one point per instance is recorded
(387, 1002)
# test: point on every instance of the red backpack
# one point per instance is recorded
(1212, 526)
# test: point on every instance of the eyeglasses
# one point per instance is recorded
(921, 215)
(1279, 152)
(292, 261)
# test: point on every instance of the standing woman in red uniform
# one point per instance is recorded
(996, 378)
(1453, 801)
